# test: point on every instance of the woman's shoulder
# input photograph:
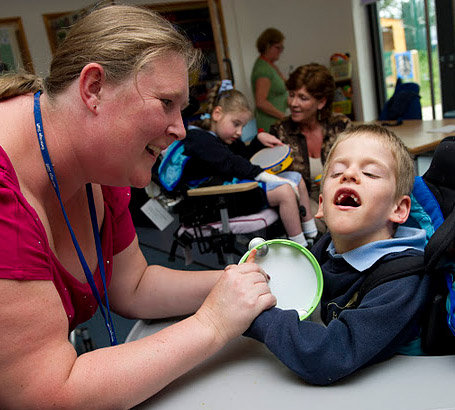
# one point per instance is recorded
(339, 121)
(7, 172)
(261, 69)
(117, 199)
(284, 126)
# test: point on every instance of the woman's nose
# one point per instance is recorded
(177, 129)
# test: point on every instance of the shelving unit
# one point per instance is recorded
(341, 71)
(202, 22)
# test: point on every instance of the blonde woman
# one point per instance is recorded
(75, 143)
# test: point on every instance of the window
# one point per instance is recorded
(408, 49)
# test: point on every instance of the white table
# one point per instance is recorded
(245, 375)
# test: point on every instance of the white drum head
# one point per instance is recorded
(296, 277)
(275, 159)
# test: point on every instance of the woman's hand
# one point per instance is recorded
(269, 140)
(238, 297)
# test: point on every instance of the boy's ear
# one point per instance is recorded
(217, 113)
(401, 210)
(91, 81)
(320, 213)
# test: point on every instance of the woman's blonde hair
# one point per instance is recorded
(121, 38)
(404, 164)
(229, 101)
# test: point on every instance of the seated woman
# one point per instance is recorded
(208, 149)
(312, 127)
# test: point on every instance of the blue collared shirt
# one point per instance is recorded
(365, 256)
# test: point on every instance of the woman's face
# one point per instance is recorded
(229, 125)
(274, 51)
(304, 107)
(142, 121)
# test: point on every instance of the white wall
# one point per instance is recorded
(314, 30)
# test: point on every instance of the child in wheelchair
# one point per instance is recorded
(215, 155)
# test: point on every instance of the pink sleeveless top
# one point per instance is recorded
(25, 253)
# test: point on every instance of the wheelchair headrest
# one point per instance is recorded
(440, 175)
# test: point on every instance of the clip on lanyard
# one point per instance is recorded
(91, 203)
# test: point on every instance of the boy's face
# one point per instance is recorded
(358, 200)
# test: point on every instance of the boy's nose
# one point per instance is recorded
(350, 174)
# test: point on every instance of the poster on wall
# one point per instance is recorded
(10, 55)
(58, 24)
(14, 55)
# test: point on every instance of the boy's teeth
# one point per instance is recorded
(342, 197)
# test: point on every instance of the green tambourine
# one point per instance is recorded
(296, 277)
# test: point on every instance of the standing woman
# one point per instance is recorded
(70, 147)
(312, 127)
(267, 82)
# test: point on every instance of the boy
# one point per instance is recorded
(366, 184)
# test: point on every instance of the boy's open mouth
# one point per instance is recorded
(347, 198)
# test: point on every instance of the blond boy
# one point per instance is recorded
(364, 200)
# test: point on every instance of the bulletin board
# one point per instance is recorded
(14, 52)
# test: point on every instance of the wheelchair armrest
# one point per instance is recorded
(222, 189)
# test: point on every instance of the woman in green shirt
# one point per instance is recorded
(267, 81)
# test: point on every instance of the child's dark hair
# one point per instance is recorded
(229, 101)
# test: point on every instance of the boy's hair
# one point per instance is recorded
(229, 101)
(122, 38)
(404, 164)
(267, 38)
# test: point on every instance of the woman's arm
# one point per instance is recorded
(262, 87)
(140, 291)
(39, 368)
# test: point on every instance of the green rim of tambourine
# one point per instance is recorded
(311, 258)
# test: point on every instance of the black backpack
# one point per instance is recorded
(433, 200)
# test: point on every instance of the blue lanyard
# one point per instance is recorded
(91, 203)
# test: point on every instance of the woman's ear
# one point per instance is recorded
(217, 113)
(321, 103)
(91, 81)
(401, 210)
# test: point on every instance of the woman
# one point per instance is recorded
(267, 81)
(99, 121)
(312, 127)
